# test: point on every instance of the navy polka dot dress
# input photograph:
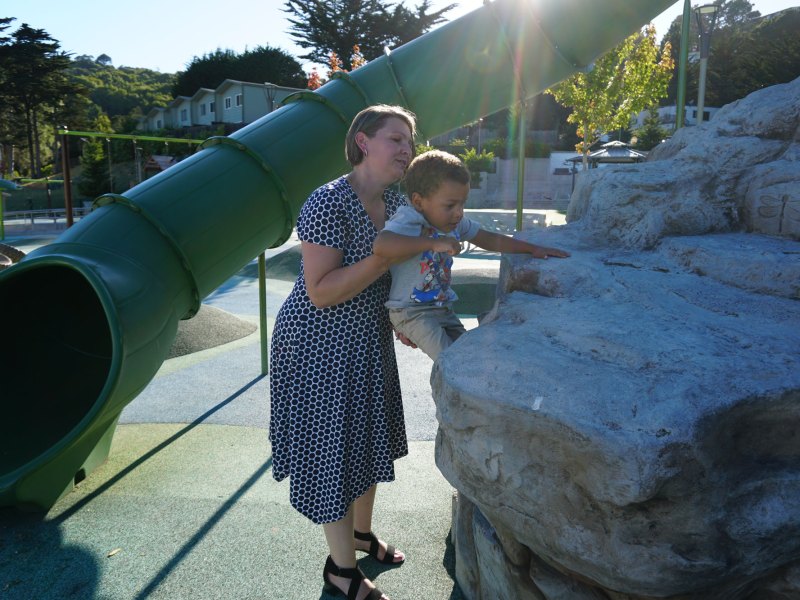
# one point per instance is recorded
(336, 415)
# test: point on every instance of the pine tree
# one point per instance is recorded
(340, 25)
(651, 133)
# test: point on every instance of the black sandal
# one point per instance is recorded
(355, 576)
(375, 547)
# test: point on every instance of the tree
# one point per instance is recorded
(35, 82)
(651, 133)
(734, 18)
(119, 91)
(622, 83)
(734, 13)
(94, 179)
(339, 25)
(260, 65)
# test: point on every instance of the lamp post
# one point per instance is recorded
(706, 19)
(270, 89)
(680, 104)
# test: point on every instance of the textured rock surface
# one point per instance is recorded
(627, 421)
(738, 171)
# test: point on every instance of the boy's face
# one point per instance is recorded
(444, 208)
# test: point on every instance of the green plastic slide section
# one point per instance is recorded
(89, 319)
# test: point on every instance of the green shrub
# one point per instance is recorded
(502, 149)
(476, 163)
(422, 148)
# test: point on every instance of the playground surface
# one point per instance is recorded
(186, 507)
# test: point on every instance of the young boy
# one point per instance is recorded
(425, 236)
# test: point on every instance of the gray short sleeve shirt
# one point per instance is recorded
(424, 279)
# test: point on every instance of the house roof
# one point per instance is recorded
(179, 100)
(154, 111)
(201, 92)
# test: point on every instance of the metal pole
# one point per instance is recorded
(520, 162)
(701, 12)
(680, 108)
(110, 175)
(67, 180)
(701, 90)
(262, 311)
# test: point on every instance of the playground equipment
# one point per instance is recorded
(93, 314)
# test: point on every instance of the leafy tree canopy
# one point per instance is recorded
(119, 92)
(338, 26)
(748, 52)
(623, 82)
(264, 64)
(34, 83)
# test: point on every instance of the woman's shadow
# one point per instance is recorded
(35, 562)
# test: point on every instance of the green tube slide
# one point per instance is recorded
(89, 319)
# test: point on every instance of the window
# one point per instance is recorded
(238, 99)
(184, 115)
(227, 103)
(211, 107)
(203, 109)
(158, 124)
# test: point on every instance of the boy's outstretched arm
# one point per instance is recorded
(396, 247)
(497, 242)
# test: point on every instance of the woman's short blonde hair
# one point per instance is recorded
(369, 121)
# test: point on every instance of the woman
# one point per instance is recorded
(336, 423)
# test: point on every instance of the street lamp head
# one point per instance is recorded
(706, 19)
(707, 9)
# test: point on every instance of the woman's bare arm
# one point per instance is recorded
(329, 283)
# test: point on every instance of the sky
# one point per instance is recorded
(165, 35)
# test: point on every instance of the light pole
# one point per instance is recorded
(680, 104)
(706, 19)
(270, 89)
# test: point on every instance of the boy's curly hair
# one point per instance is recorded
(430, 169)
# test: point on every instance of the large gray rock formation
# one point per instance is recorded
(625, 423)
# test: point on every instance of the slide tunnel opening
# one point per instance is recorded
(56, 360)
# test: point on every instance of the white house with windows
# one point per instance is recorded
(203, 105)
(181, 109)
(233, 102)
(154, 120)
(667, 115)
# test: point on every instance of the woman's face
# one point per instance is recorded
(388, 152)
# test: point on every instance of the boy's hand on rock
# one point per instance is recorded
(544, 252)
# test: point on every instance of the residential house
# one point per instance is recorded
(154, 120)
(203, 105)
(234, 103)
(667, 115)
(181, 111)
